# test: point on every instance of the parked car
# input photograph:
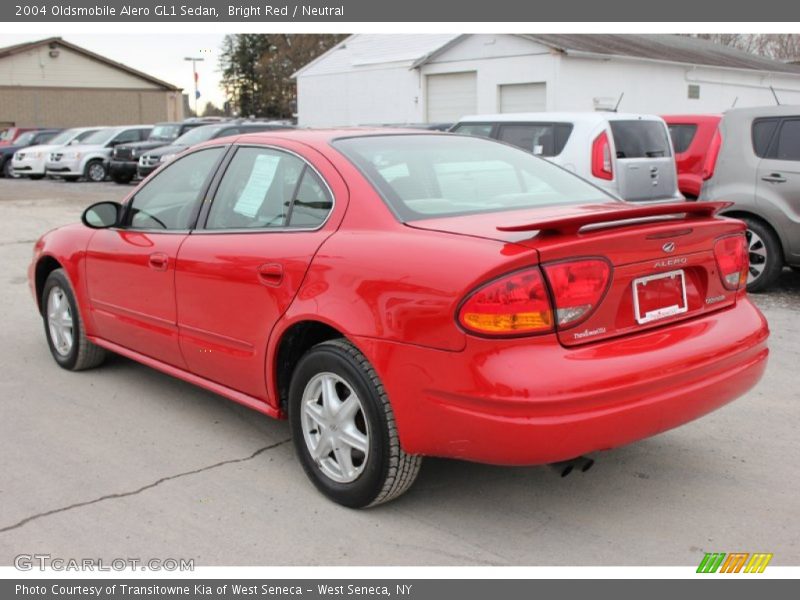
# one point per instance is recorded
(755, 163)
(125, 157)
(10, 134)
(405, 294)
(90, 158)
(30, 162)
(691, 139)
(29, 138)
(629, 155)
(149, 161)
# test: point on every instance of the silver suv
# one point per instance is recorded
(754, 162)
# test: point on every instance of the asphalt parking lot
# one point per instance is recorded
(124, 461)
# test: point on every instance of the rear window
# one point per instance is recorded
(682, 135)
(544, 139)
(763, 130)
(640, 139)
(426, 176)
(789, 141)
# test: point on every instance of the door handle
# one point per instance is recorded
(774, 178)
(270, 273)
(159, 261)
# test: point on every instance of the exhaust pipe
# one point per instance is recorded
(580, 463)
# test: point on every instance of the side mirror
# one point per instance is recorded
(102, 215)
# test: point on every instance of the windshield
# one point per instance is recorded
(197, 135)
(26, 139)
(425, 176)
(100, 137)
(165, 132)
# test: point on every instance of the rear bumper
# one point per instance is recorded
(525, 402)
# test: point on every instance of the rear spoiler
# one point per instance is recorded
(573, 224)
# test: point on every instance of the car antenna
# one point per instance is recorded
(735, 100)
(772, 89)
(616, 107)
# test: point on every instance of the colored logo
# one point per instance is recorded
(735, 562)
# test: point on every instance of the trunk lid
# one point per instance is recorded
(656, 251)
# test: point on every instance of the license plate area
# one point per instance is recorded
(659, 296)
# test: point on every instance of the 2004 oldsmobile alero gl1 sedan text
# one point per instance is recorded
(400, 294)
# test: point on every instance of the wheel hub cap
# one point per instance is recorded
(59, 321)
(757, 254)
(334, 427)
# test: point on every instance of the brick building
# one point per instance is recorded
(53, 83)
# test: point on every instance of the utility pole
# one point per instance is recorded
(194, 61)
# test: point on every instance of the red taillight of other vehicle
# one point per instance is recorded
(516, 304)
(732, 261)
(601, 158)
(712, 155)
(578, 287)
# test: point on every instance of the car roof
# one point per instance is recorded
(547, 117)
(324, 136)
(782, 110)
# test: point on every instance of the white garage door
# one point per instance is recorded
(451, 96)
(523, 97)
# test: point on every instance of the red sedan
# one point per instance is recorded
(400, 294)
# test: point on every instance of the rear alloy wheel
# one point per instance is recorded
(764, 251)
(96, 171)
(343, 428)
(63, 326)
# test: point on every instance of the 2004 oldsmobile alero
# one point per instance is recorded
(403, 294)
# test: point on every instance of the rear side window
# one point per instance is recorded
(682, 135)
(640, 139)
(478, 129)
(789, 141)
(544, 139)
(763, 130)
(264, 188)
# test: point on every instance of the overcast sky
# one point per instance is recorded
(158, 55)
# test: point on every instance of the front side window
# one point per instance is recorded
(477, 129)
(127, 136)
(167, 201)
(264, 188)
(423, 176)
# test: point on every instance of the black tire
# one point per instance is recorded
(8, 170)
(71, 178)
(82, 354)
(121, 179)
(766, 255)
(95, 171)
(35, 177)
(387, 472)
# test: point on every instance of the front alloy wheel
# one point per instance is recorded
(96, 171)
(343, 428)
(59, 321)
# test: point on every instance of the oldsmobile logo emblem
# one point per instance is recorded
(668, 247)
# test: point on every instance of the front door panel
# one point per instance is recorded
(130, 277)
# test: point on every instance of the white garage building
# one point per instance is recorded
(422, 78)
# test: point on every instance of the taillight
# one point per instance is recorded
(512, 305)
(578, 287)
(732, 261)
(712, 155)
(601, 157)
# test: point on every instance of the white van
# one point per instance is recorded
(629, 155)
